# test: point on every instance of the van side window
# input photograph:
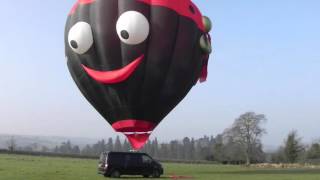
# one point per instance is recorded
(115, 159)
(146, 159)
(127, 160)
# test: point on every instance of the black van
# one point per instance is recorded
(115, 164)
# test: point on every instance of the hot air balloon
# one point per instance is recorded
(135, 60)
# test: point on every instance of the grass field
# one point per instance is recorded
(17, 167)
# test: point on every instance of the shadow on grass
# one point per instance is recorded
(138, 177)
(267, 172)
(162, 177)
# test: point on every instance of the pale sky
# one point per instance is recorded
(266, 59)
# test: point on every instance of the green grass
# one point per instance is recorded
(16, 167)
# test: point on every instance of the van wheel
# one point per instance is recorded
(146, 175)
(156, 173)
(115, 174)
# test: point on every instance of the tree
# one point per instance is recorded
(87, 150)
(117, 144)
(173, 149)
(155, 147)
(11, 143)
(65, 148)
(218, 151)
(192, 149)
(56, 149)
(314, 151)
(126, 146)
(293, 147)
(147, 148)
(278, 156)
(109, 146)
(247, 132)
(164, 151)
(187, 148)
(99, 147)
(34, 146)
(203, 148)
(232, 151)
(76, 150)
(45, 149)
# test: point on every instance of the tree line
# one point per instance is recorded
(238, 144)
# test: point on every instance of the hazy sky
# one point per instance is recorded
(266, 59)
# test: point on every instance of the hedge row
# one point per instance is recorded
(50, 154)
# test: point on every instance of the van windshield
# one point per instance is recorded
(103, 158)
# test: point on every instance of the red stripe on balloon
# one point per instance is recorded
(133, 125)
(80, 2)
(137, 131)
(183, 7)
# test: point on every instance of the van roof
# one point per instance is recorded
(113, 152)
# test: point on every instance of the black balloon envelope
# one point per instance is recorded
(135, 60)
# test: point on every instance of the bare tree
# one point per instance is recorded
(247, 132)
(11, 143)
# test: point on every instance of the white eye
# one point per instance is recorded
(132, 27)
(80, 37)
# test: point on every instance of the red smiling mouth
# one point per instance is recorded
(114, 76)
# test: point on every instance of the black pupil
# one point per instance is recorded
(125, 34)
(74, 44)
(192, 9)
